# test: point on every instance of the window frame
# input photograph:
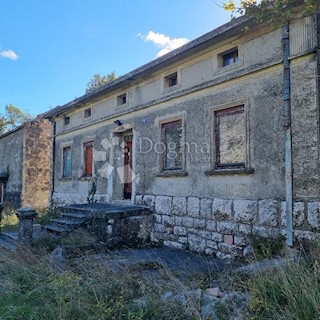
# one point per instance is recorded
(120, 97)
(179, 171)
(243, 168)
(64, 149)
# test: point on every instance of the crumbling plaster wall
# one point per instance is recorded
(11, 161)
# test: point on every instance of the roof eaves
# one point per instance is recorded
(235, 26)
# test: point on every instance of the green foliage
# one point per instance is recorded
(266, 247)
(9, 222)
(272, 12)
(97, 81)
(92, 190)
(51, 213)
(13, 118)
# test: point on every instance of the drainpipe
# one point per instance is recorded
(288, 133)
(53, 158)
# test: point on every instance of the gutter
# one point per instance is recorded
(288, 133)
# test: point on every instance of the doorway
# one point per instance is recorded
(127, 188)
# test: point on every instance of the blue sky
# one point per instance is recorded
(50, 49)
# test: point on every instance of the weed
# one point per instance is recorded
(266, 247)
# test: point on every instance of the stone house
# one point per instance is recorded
(25, 165)
(204, 135)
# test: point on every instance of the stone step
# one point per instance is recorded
(72, 209)
(68, 223)
(74, 215)
(56, 229)
(9, 240)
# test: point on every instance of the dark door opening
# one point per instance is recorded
(127, 167)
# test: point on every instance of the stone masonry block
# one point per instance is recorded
(211, 225)
(222, 209)
(212, 244)
(245, 229)
(226, 227)
(168, 221)
(268, 213)
(179, 206)
(157, 218)
(181, 231)
(138, 199)
(299, 214)
(173, 244)
(228, 239)
(196, 243)
(215, 236)
(193, 206)
(163, 205)
(199, 223)
(245, 211)
(149, 200)
(314, 214)
(187, 222)
(206, 208)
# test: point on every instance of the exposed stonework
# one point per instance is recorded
(221, 234)
(26, 157)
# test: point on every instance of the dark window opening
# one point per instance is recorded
(87, 113)
(230, 57)
(66, 121)
(171, 80)
(122, 99)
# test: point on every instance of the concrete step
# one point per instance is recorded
(56, 229)
(9, 240)
(74, 215)
(68, 223)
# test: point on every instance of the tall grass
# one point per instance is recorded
(292, 292)
(87, 289)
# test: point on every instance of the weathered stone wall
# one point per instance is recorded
(37, 146)
(223, 226)
(11, 160)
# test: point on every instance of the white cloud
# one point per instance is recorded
(164, 42)
(9, 54)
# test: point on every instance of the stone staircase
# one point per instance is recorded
(9, 240)
(71, 218)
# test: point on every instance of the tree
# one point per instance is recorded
(13, 118)
(273, 12)
(97, 81)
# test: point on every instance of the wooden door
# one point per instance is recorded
(127, 167)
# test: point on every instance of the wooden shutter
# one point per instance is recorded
(88, 159)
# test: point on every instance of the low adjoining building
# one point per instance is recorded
(202, 135)
(25, 165)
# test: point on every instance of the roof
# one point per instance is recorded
(217, 35)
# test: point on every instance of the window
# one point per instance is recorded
(230, 137)
(171, 80)
(172, 139)
(87, 113)
(67, 162)
(66, 121)
(88, 159)
(122, 99)
(228, 57)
